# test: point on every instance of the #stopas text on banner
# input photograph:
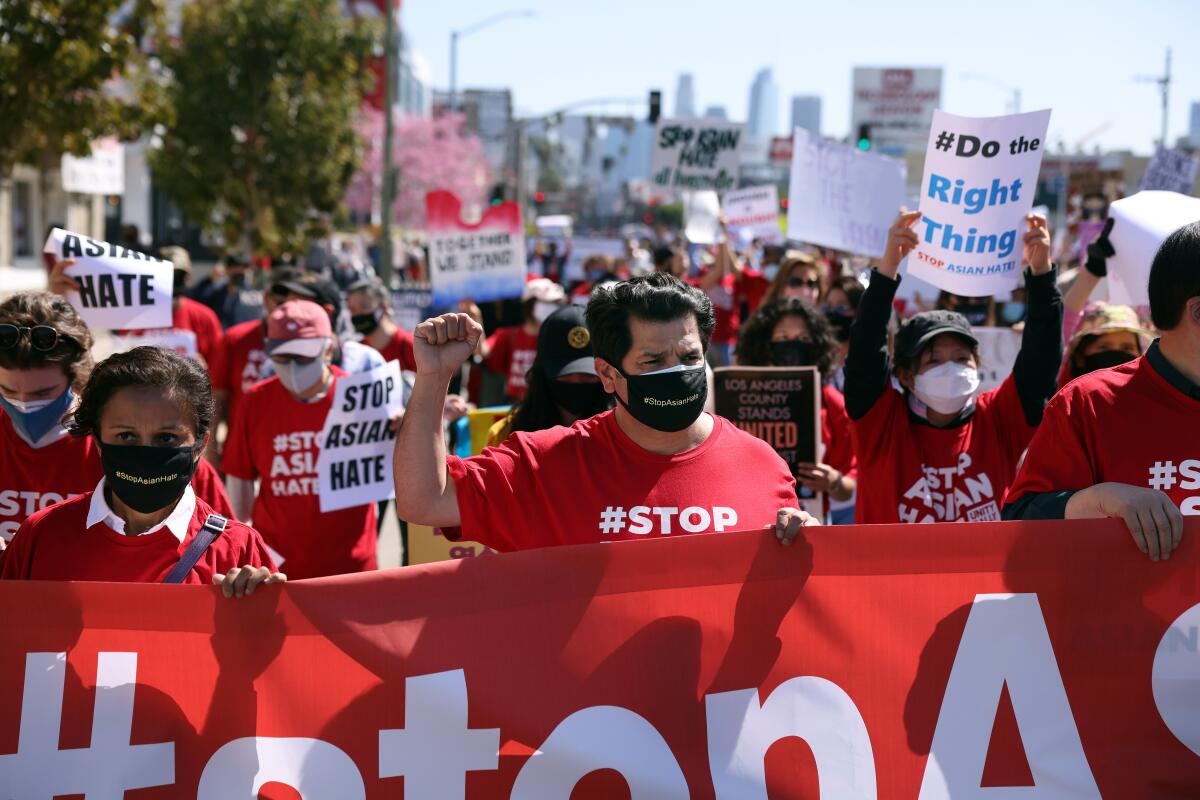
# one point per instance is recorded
(894, 661)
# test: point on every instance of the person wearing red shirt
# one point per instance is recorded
(189, 315)
(510, 351)
(792, 333)
(274, 439)
(371, 315)
(654, 466)
(149, 411)
(937, 452)
(1124, 442)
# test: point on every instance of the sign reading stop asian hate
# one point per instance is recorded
(696, 154)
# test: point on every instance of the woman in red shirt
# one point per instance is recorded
(792, 333)
(937, 451)
(149, 412)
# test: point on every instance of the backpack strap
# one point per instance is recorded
(213, 527)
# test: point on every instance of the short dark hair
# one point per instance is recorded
(1175, 276)
(662, 254)
(660, 297)
(754, 342)
(184, 379)
(72, 352)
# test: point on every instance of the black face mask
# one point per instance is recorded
(367, 323)
(666, 401)
(976, 313)
(1105, 359)
(841, 322)
(147, 478)
(580, 400)
(793, 353)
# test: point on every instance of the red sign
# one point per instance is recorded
(921, 661)
(781, 149)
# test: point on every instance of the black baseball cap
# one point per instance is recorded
(921, 329)
(565, 344)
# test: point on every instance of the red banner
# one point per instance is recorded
(922, 661)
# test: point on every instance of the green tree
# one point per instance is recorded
(72, 71)
(262, 98)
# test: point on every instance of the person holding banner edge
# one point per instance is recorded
(938, 452)
(654, 465)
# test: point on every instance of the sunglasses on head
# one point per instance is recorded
(811, 283)
(41, 337)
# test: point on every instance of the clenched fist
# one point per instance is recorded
(442, 344)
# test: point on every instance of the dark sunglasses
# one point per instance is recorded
(41, 337)
(811, 283)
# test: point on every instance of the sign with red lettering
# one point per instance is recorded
(781, 406)
(880, 661)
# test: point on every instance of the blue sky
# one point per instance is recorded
(1078, 58)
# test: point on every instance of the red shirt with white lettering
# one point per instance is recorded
(512, 353)
(913, 472)
(1127, 425)
(400, 348)
(275, 438)
(56, 545)
(243, 356)
(591, 483)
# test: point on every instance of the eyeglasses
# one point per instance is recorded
(42, 337)
(811, 283)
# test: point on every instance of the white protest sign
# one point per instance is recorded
(701, 217)
(583, 249)
(1141, 223)
(998, 348)
(355, 462)
(103, 172)
(1170, 171)
(753, 213)
(980, 177)
(694, 154)
(119, 288)
(841, 197)
(176, 340)
(484, 261)
(554, 225)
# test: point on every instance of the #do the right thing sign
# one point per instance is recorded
(980, 178)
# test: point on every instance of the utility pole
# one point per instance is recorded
(1164, 86)
(388, 194)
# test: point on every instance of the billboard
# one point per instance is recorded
(896, 103)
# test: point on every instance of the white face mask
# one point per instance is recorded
(948, 387)
(299, 378)
(542, 310)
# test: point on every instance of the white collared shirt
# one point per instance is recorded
(177, 522)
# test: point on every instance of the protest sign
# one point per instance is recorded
(428, 545)
(412, 304)
(103, 172)
(873, 661)
(753, 213)
(177, 340)
(998, 348)
(781, 406)
(583, 249)
(483, 261)
(354, 466)
(701, 217)
(840, 197)
(980, 176)
(554, 225)
(1170, 171)
(1141, 223)
(695, 154)
(119, 288)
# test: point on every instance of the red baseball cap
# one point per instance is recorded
(298, 327)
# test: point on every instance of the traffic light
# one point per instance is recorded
(497, 195)
(538, 199)
(864, 137)
(655, 105)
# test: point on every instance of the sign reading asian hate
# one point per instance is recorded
(355, 463)
(119, 289)
(980, 177)
(841, 197)
(753, 213)
(483, 261)
(694, 154)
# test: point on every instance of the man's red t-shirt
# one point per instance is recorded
(1127, 425)
(512, 353)
(202, 321)
(55, 544)
(400, 348)
(244, 355)
(911, 472)
(752, 287)
(275, 437)
(591, 483)
(34, 478)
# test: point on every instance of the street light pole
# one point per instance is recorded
(524, 12)
(387, 196)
